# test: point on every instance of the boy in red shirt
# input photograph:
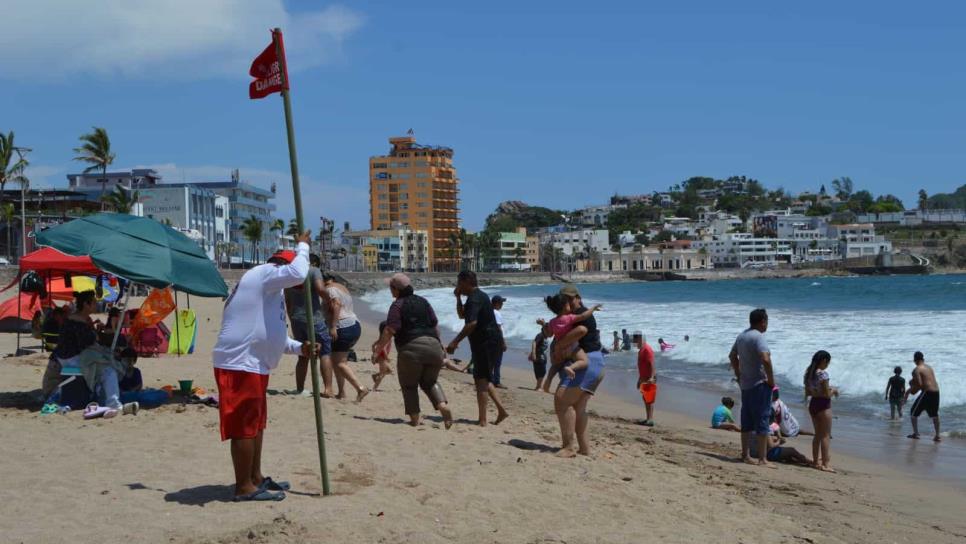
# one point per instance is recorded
(647, 378)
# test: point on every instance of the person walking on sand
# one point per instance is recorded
(924, 380)
(497, 303)
(251, 342)
(573, 394)
(486, 342)
(646, 377)
(413, 324)
(820, 408)
(895, 393)
(751, 362)
(295, 305)
(345, 331)
(538, 356)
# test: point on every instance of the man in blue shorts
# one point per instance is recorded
(751, 362)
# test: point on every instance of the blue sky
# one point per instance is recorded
(553, 103)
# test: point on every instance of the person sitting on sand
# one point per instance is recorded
(250, 345)
(419, 358)
(895, 393)
(563, 323)
(788, 426)
(722, 419)
(782, 454)
(820, 408)
(924, 379)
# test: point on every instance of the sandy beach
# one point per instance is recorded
(164, 476)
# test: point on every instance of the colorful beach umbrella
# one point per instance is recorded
(139, 249)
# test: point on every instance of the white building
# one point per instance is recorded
(572, 242)
(396, 249)
(654, 259)
(185, 207)
(596, 216)
(742, 249)
(859, 240)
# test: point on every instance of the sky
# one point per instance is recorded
(559, 104)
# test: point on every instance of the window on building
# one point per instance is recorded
(422, 184)
(378, 165)
(384, 216)
(422, 204)
(403, 196)
(404, 206)
(381, 186)
(422, 174)
(404, 216)
(384, 206)
(383, 196)
(403, 186)
(402, 176)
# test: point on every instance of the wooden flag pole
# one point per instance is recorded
(309, 321)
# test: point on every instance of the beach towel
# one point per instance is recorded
(155, 308)
(182, 338)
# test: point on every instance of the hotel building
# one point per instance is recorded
(415, 186)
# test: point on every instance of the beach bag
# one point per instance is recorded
(31, 282)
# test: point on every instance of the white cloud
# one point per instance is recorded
(184, 39)
(42, 176)
(342, 202)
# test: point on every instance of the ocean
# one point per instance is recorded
(868, 324)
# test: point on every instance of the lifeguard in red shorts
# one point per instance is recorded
(252, 340)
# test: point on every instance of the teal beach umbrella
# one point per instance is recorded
(139, 249)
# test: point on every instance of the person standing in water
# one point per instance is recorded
(895, 393)
(625, 340)
(924, 380)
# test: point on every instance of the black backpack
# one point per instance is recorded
(31, 282)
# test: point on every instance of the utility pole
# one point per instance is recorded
(21, 153)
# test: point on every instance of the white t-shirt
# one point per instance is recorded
(347, 316)
(789, 425)
(498, 318)
(253, 333)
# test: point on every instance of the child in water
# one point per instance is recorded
(565, 321)
(895, 393)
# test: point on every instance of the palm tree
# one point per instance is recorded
(121, 200)
(8, 211)
(253, 229)
(293, 228)
(10, 169)
(468, 244)
(453, 246)
(923, 199)
(96, 151)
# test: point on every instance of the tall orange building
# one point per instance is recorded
(415, 186)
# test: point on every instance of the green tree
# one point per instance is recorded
(11, 164)
(121, 199)
(843, 187)
(253, 229)
(518, 255)
(468, 243)
(923, 200)
(95, 150)
(8, 211)
(293, 228)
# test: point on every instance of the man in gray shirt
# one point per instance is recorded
(751, 362)
(295, 304)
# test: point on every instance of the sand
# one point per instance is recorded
(164, 475)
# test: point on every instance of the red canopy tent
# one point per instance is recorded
(48, 263)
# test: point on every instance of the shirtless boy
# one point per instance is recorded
(924, 380)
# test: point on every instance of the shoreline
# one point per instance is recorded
(164, 475)
(858, 437)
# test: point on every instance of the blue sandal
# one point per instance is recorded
(260, 495)
(271, 485)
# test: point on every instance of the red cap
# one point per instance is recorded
(286, 255)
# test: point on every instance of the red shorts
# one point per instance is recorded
(241, 403)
